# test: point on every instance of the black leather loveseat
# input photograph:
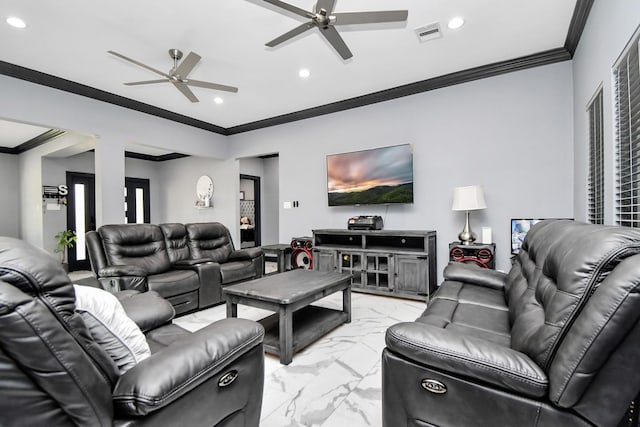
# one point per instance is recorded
(55, 371)
(555, 342)
(186, 264)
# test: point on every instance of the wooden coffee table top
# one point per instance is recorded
(288, 287)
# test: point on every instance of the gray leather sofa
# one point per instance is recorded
(186, 264)
(54, 372)
(555, 342)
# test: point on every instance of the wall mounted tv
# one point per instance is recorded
(368, 177)
(519, 229)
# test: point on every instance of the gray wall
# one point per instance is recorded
(512, 134)
(610, 26)
(10, 196)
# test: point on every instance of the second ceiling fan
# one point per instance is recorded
(325, 20)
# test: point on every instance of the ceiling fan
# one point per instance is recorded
(323, 18)
(178, 74)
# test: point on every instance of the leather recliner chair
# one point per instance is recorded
(555, 342)
(53, 373)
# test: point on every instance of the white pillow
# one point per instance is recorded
(110, 327)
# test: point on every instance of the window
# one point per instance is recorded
(596, 161)
(626, 75)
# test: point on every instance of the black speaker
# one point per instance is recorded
(479, 254)
(301, 256)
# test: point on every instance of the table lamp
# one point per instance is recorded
(467, 199)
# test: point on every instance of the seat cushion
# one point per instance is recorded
(470, 310)
(234, 271)
(174, 282)
(163, 336)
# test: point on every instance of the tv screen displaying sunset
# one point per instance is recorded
(378, 176)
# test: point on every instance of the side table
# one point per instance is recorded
(279, 253)
(482, 254)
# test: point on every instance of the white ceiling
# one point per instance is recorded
(70, 39)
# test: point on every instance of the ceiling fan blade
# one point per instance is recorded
(291, 8)
(370, 17)
(327, 5)
(146, 82)
(332, 36)
(291, 34)
(187, 65)
(209, 85)
(185, 90)
(139, 64)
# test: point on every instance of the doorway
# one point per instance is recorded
(250, 207)
(81, 215)
(81, 210)
(137, 205)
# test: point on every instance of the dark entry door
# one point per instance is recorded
(81, 215)
(137, 203)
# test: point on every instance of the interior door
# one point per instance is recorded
(137, 204)
(81, 216)
(251, 207)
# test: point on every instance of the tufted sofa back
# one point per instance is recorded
(210, 240)
(176, 241)
(567, 292)
(141, 245)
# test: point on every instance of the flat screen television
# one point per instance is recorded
(368, 177)
(519, 229)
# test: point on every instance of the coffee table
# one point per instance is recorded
(296, 323)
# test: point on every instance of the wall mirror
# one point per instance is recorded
(204, 190)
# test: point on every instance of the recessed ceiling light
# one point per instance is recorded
(455, 23)
(304, 73)
(16, 22)
(218, 100)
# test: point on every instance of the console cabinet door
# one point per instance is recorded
(351, 262)
(412, 275)
(324, 260)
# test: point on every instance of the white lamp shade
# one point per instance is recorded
(468, 198)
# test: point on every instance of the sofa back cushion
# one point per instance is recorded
(560, 266)
(177, 241)
(210, 240)
(141, 245)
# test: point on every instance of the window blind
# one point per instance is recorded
(595, 186)
(626, 75)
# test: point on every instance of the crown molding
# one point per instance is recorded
(565, 53)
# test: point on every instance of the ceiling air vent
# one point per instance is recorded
(429, 32)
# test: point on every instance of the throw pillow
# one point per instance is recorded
(110, 327)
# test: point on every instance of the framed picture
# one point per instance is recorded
(242, 195)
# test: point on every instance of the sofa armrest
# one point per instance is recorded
(245, 254)
(122, 270)
(473, 274)
(468, 357)
(187, 263)
(115, 278)
(148, 310)
(170, 374)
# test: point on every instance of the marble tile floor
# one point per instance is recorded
(336, 381)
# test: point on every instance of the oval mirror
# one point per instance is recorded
(204, 187)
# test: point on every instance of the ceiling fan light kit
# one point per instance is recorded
(177, 76)
(323, 18)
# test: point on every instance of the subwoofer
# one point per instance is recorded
(301, 256)
(481, 255)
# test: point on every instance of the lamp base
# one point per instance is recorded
(467, 236)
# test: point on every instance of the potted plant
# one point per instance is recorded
(65, 240)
